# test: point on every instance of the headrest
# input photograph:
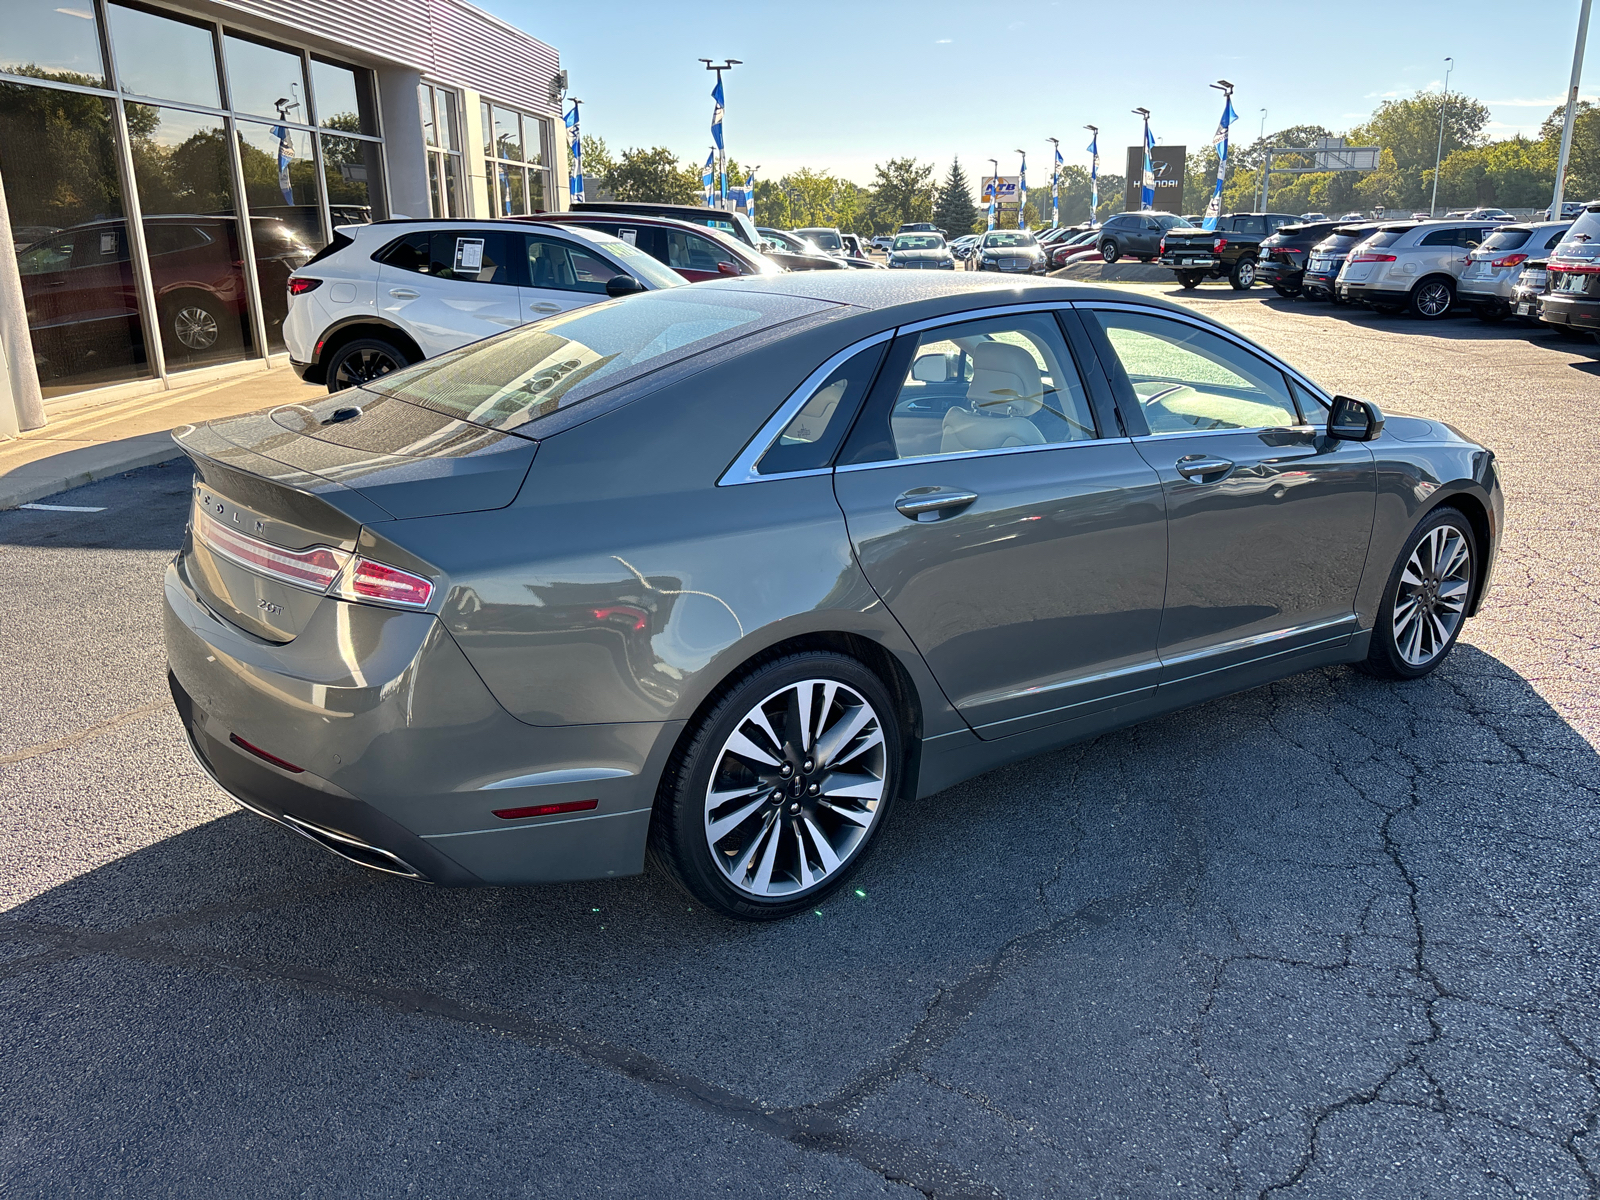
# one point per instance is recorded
(1005, 381)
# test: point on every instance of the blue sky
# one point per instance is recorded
(841, 86)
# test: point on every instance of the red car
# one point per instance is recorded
(693, 251)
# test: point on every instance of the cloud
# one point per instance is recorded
(1382, 95)
(943, 42)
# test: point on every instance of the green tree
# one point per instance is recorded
(954, 210)
(598, 168)
(654, 176)
(902, 190)
(1409, 130)
(1515, 173)
(1583, 162)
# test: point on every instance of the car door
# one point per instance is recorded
(47, 279)
(561, 276)
(1268, 518)
(97, 308)
(1013, 533)
(1149, 235)
(448, 287)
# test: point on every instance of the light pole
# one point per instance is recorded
(1438, 151)
(1094, 174)
(994, 190)
(716, 127)
(1266, 161)
(1055, 182)
(1147, 181)
(1572, 111)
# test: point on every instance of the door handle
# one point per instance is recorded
(544, 306)
(1200, 467)
(932, 499)
(404, 293)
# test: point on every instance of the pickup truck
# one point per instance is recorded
(1231, 249)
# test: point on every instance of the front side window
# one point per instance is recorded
(563, 267)
(1189, 380)
(54, 254)
(690, 252)
(992, 384)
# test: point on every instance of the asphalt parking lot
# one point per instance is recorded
(1332, 937)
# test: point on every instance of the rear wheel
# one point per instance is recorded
(781, 788)
(195, 323)
(1109, 251)
(1243, 276)
(1147, 258)
(1425, 603)
(1287, 290)
(1190, 279)
(1431, 299)
(362, 361)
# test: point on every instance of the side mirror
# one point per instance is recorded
(728, 268)
(1354, 420)
(622, 285)
(931, 368)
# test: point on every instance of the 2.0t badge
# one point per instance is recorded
(268, 607)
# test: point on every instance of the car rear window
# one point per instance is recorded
(1505, 239)
(508, 381)
(1583, 239)
(1386, 237)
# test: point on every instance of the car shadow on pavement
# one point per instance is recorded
(1323, 930)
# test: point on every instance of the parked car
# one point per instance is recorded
(1077, 243)
(883, 241)
(1232, 249)
(1572, 299)
(1489, 282)
(920, 227)
(735, 223)
(921, 252)
(1529, 291)
(796, 253)
(1136, 233)
(1328, 255)
(824, 238)
(1314, 216)
(1411, 265)
(696, 252)
(513, 615)
(391, 293)
(853, 246)
(82, 301)
(1284, 255)
(962, 247)
(1480, 214)
(1009, 250)
(1569, 210)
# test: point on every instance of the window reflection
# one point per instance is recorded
(507, 134)
(280, 187)
(354, 174)
(180, 162)
(52, 39)
(164, 58)
(265, 80)
(344, 98)
(58, 167)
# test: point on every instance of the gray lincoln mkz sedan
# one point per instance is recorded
(722, 571)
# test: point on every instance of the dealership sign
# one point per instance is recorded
(1008, 190)
(1167, 165)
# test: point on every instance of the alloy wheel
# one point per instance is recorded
(195, 327)
(1433, 299)
(796, 789)
(1247, 273)
(364, 366)
(1432, 598)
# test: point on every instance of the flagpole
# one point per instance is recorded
(994, 190)
(1094, 174)
(1147, 191)
(1055, 183)
(1022, 190)
(716, 128)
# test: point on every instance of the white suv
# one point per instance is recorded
(1411, 265)
(384, 295)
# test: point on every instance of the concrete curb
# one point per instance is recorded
(74, 468)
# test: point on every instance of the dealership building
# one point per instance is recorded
(165, 165)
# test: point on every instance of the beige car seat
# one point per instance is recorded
(810, 422)
(1006, 390)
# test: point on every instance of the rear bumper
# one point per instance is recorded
(1188, 262)
(1572, 311)
(1279, 273)
(1360, 294)
(310, 372)
(404, 755)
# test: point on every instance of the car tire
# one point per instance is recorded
(193, 323)
(363, 360)
(1287, 290)
(1243, 275)
(1430, 589)
(1147, 258)
(1189, 280)
(1431, 299)
(1490, 314)
(771, 846)
(1109, 251)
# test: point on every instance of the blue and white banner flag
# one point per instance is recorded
(285, 157)
(708, 178)
(716, 115)
(1022, 194)
(1147, 182)
(1220, 141)
(994, 198)
(1055, 191)
(1094, 178)
(750, 196)
(576, 141)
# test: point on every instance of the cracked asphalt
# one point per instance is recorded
(1328, 938)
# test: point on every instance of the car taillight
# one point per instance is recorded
(369, 580)
(1220, 243)
(315, 568)
(1162, 249)
(1510, 260)
(299, 285)
(1360, 258)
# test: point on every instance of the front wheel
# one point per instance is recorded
(1189, 279)
(1425, 603)
(1109, 251)
(1243, 276)
(195, 324)
(781, 787)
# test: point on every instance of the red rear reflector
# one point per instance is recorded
(260, 753)
(299, 286)
(370, 580)
(315, 568)
(545, 810)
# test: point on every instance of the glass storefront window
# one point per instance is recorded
(164, 58)
(191, 227)
(344, 98)
(58, 167)
(264, 80)
(52, 39)
(507, 134)
(354, 173)
(517, 184)
(280, 189)
(442, 143)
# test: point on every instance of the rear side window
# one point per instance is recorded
(812, 437)
(1440, 237)
(469, 255)
(1506, 239)
(1250, 225)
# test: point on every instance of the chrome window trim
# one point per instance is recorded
(964, 454)
(1237, 339)
(977, 314)
(743, 468)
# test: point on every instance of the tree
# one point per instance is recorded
(1409, 130)
(902, 190)
(1583, 162)
(954, 210)
(1515, 173)
(598, 168)
(655, 176)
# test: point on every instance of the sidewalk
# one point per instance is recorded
(94, 443)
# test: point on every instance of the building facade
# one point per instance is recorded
(165, 166)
